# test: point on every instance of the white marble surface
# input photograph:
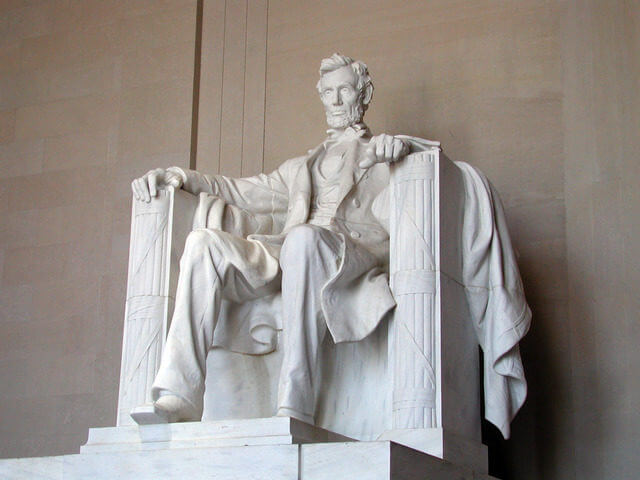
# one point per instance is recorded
(358, 460)
(443, 444)
(227, 433)
(355, 398)
(265, 462)
(34, 468)
(377, 461)
(158, 232)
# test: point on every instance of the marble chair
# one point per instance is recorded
(415, 380)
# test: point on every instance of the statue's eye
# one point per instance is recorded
(346, 91)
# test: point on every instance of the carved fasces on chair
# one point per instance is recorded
(158, 232)
(432, 346)
(413, 282)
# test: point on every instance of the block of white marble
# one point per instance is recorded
(381, 460)
(443, 444)
(227, 433)
(33, 468)
(377, 461)
(263, 462)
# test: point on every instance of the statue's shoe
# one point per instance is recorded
(176, 409)
(290, 412)
(168, 408)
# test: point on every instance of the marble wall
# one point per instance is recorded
(91, 94)
(602, 170)
(540, 94)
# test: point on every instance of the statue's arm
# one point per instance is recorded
(193, 181)
(263, 193)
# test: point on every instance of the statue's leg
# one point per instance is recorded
(214, 265)
(309, 258)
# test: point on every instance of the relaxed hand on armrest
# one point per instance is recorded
(146, 187)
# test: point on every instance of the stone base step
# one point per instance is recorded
(277, 448)
(318, 461)
(225, 433)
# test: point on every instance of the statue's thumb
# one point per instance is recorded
(369, 158)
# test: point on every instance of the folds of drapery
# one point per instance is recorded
(499, 311)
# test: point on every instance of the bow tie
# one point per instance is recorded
(349, 133)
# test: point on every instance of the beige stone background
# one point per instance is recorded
(541, 95)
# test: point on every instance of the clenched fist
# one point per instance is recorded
(384, 148)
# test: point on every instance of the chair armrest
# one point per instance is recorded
(433, 348)
(412, 268)
(158, 232)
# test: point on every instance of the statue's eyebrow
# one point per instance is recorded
(342, 85)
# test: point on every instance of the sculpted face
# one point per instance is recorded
(342, 100)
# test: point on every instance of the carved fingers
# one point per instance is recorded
(146, 187)
(152, 181)
(139, 188)
(384, 148)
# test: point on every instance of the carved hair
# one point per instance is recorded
(337, 61)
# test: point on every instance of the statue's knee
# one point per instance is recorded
(203, 242)
(197, 240)
(300, 242)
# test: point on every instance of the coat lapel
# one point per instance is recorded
(300, 193)
(359, 172)
(353, 156)
(351, 169)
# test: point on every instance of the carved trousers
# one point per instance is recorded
(217, 265)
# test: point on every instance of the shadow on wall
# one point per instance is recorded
(540, 443)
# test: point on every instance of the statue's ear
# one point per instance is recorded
(367, 94)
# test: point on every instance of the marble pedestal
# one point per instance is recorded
(258, 449)
(224, 433)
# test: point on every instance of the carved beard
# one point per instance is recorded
(354, 115)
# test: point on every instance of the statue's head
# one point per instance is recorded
(345, 90)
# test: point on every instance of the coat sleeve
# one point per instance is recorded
(262, 193)
(258, 200)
